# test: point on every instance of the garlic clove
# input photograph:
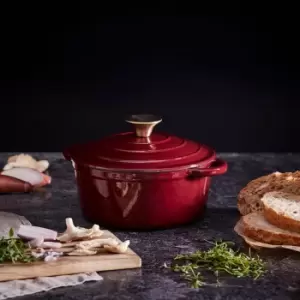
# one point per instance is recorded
(14, 158)
(42, 165)
(9, 166)
(22, 160)
(26, 161)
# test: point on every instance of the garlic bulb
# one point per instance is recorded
(26, 161)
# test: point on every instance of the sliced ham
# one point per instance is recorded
(37, 242)
(34, 233)
(40, 243)
(53, 245)
(31, 176)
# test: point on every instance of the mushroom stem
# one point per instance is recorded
(70, 224)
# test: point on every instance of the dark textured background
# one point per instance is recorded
(230, 82)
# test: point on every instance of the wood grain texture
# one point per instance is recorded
(72, 264)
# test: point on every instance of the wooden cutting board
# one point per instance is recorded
(72, 264)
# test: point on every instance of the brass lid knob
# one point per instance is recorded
(143, 124)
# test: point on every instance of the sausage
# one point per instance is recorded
(13, 185)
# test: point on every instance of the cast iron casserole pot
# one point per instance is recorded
(143, 180)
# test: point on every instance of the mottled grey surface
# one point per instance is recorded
(153, 281)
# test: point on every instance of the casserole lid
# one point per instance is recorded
(141, 149)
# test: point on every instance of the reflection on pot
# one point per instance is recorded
(147, 141)
(126, 195)
(143, 180)
(74, 167)
(102, 187)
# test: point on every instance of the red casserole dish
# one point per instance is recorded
(143, 179)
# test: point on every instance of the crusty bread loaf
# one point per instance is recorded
(249, 198)
(282, 210)
(256, 227)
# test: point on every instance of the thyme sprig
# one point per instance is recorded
(220, 259)
(190, 273)
(14, 250)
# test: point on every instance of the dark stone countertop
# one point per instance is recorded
(153, 281)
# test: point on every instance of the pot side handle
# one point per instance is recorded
(218, 167)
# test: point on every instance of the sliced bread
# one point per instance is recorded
(282, 210)
(249, 198)
(256, 227)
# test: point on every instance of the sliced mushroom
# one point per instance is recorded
(74, 233)
(83, 251)
(96, 232)
(97, 243)
(119, 248)
(93, 246)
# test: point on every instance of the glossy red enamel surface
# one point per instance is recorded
(127, 151)
(141, 204)
(143, 180)
(131, 200)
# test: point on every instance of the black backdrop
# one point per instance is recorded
(230, 82)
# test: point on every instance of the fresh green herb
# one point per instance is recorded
(219, 259)
(189, 272)
(14, 250)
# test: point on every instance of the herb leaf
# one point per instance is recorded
(11, 233)
(219, 259)
(14, 250)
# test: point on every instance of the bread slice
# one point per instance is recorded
(249, 198)
(282, 210)
(256, 227)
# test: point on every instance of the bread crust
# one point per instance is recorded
(275, 238)
(280, 220)
(249, 197)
